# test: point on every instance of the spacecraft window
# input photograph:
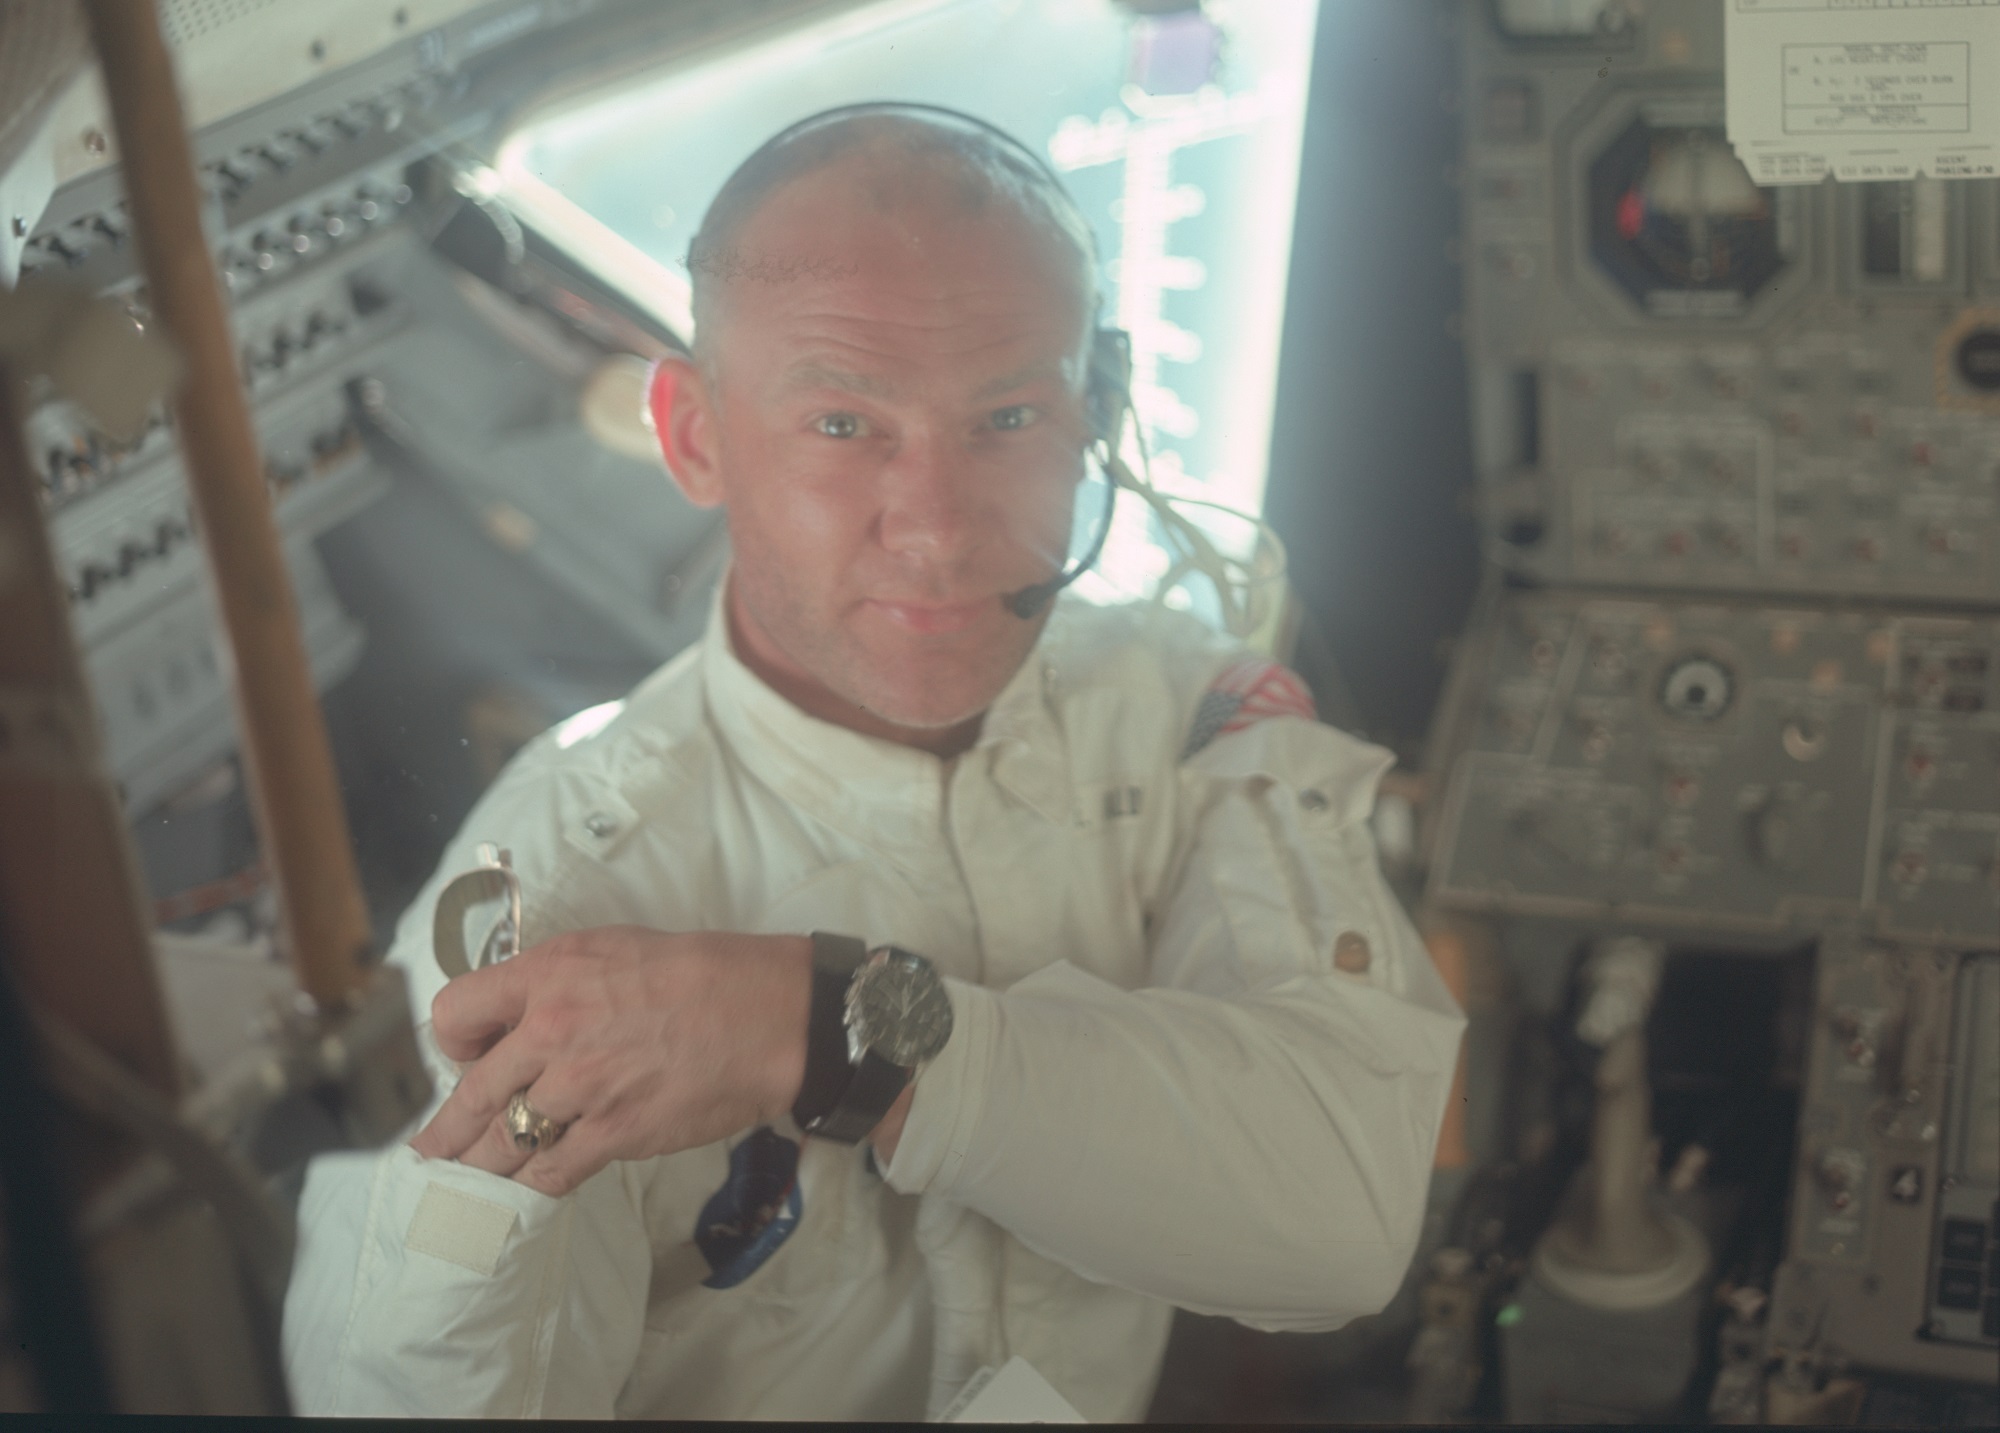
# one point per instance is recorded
(1179, 136)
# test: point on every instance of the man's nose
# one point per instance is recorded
(928, 507)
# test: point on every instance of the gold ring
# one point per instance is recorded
(531, 1128)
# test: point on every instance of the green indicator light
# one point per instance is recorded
(1508, 1316)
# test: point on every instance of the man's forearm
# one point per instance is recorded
(1265, 1157)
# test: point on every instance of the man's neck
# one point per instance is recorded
(755, 649)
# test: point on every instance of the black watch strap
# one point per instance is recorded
(828, 1073)
(864, 1102)
(838, 1099)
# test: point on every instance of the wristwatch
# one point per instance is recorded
(878, 1016)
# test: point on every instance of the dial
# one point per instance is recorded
(1978, 359)
(1673, 213)
(898, 1008)
(1697, 689)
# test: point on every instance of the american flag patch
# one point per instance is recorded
(1245, 694)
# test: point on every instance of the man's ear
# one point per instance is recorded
(678, 397)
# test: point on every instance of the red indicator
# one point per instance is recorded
(1631, 214)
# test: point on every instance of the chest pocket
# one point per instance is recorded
(1081, 891)
(827, 1205)
(790, 1222)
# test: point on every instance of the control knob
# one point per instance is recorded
(1839, 1173)
(1856, 1033)
(1696, 689)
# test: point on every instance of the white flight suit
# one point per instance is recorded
(1160, 1089)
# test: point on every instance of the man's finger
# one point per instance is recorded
(479, 1099)
(470, 1011)
(567, 1163)
(495, 1151)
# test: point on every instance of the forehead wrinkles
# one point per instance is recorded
(918, 344)
(965, 314)
(878, 298)
(892, 360)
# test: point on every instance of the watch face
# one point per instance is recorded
(898, 1008)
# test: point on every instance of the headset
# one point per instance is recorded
(1243, 587)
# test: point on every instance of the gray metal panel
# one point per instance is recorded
(1874, 1189)
(1735, 436)
(1842, 768)
(1812, 435)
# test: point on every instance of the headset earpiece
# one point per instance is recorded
(1107, 395)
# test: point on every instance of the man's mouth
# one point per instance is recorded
(930, 619)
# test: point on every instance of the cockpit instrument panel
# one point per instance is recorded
(1736, 671)
(1726, 765)
(1683, 379)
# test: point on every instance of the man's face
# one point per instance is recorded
(897, 430)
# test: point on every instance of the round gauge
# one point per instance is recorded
(1697, 689)
(1673, 212)
(1978, 359)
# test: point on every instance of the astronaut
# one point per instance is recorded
(923, 968)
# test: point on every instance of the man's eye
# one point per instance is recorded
(1019, 415)
(838, 425)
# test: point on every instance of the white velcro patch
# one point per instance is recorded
(461, 1229)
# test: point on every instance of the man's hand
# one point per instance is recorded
(642, 1043)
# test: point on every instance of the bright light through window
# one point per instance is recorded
(1178, 135)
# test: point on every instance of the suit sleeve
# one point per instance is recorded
(1251, 1134)
(430, 1287)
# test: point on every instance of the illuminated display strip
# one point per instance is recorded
(1150, 204)
(1145, 138)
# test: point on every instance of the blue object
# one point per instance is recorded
(755, 1211)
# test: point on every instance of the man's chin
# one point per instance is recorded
(930, 696)
(920, 715)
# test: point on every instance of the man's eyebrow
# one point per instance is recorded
(1021, 378)
(810, 373)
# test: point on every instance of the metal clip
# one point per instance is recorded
(492, 880)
